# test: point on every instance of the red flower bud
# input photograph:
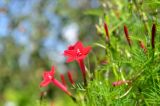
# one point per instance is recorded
(127, 35)
(142, 46)
(63, 79)
(70, 78)
(120, 82)
(106, 30)
(153, 36)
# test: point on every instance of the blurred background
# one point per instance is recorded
(33, 36)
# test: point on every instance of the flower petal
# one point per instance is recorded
(76, 52)
(52, 71)
(71, 47)
(69, 53)
(79, 46)
(45, 82)
(70, 59)
(78, 43)
(81, 57)
(45, 74)
(86, 50)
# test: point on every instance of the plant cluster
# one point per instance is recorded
(129, 75)
(74, 52)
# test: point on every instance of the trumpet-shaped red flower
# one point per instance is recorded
(78, 52)
(48, 77)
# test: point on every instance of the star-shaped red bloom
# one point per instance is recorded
(77, 52)
(47, 77)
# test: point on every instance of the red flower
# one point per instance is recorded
(48, 77)
(78, 52)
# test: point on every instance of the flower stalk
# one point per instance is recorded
(83, 70)
(61, 86)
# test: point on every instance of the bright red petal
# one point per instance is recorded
(69, 53)
(70, 59)
(45, 75)
(52, 71)
(78, 45)
(81, 57)
(86, 50)
(71, 47)
(45, 82)
(77, 52)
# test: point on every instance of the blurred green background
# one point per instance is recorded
(33, 36)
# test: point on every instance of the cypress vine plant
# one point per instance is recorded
(126, 61)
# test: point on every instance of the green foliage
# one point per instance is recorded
(123, 62)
